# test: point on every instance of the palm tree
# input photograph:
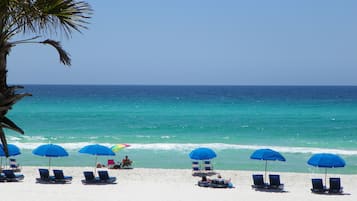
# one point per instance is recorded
(34, 18)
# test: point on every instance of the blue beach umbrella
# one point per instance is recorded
(267, 155)
(13, 151)
(326, 160)
(97, 150)
(50, 150)
(202, 153)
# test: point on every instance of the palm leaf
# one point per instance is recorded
(4, 142)
(7, 123)
(63, 55)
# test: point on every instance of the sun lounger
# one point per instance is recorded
(60, 178)
(2, 177)
(258, 181)
(11, 176)
(196, 171)
(274, 182)
(90, 178)
(45, 176)
(335, 186)
(104, 177)
(208, 166)
(14, 165)
(317, 186)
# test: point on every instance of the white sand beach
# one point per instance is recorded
(166, 184)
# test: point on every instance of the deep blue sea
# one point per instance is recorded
(164, 123)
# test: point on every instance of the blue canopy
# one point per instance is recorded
(202, 153)
(267, 154)
(326, 160)
(13, 150)
(50, 150)
(96, 149)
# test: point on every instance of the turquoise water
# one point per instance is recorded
(164, 123)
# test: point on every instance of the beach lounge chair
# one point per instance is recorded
(196, 168)
(60, 178)
(14, 165)
(104, 177)
(335, 186)
(45, 176)
(90, 178)
(258, 181)
(317, 186)
(111, 163)
(208, 166)
(11, 176)
(274, 182)
(2, 177)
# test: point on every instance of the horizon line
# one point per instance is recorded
(193, 85)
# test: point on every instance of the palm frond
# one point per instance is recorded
(63, 55)
(4, 142)
(63, 15)
(44, 16)
(7, 123)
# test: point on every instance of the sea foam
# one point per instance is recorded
(187, 147)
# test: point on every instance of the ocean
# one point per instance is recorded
(164, 123)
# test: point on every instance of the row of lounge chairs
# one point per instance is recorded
(103, 178)
(59, 177)
(274, 182)
(317, 184)
(335, 186)
(205, 169)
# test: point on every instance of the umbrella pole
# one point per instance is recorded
(266, 164)
(325, 176)
(95, 165)
(49, 163)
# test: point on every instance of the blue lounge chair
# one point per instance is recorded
(274, 182)
(11, 176)
(196, 171)
(90, 178)
(45, 176)
(208, 166)
(335, 186)
(2, 177)
(258, 181)
(317, 186)
(14, 165)
(60, 178)
(104, 177)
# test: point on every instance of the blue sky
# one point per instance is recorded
(202, 42)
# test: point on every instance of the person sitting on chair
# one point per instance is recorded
(126, 162)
